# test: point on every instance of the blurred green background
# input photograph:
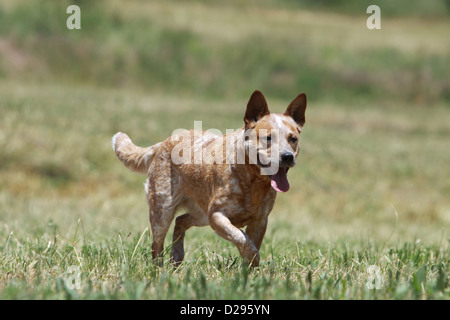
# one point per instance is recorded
(226, 49)
(375, 160)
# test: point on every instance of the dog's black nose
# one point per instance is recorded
(287, 157)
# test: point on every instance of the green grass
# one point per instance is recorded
(120, 268)
(117, 265)
(369, 191)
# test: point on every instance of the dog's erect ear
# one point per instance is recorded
(296, 109)
(256, 108)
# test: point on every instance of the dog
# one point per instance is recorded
(238, 191)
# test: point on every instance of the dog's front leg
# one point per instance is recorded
(224, 228)
(256, 231)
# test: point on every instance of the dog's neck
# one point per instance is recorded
(237, 156)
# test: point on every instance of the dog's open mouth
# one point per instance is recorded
(279, 180)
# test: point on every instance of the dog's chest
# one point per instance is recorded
(251, 205)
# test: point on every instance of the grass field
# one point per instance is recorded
(368, 198)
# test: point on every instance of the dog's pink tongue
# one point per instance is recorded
(279, 180)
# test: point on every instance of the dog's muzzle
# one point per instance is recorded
(287, 159)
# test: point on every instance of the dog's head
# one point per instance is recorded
(272, 140)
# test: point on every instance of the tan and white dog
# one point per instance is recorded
(228, 182)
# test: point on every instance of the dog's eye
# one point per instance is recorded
(293, 139)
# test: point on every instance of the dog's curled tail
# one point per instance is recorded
(135, 158)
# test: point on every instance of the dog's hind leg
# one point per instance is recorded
(163, 199)
(183, 223)
(160, 220)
